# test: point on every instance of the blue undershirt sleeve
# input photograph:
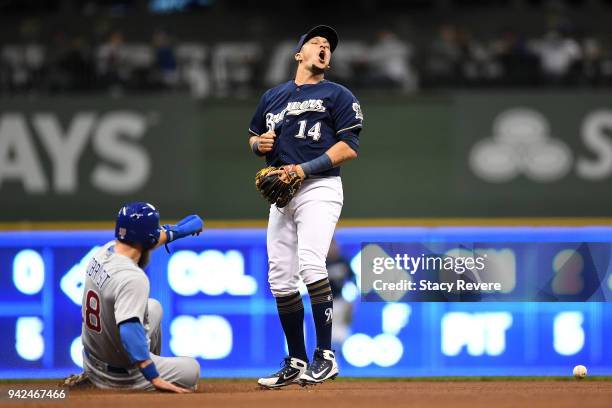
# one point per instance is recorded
(134, 340)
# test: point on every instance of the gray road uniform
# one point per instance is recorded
(116, 290)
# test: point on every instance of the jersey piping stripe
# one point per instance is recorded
(348, 128)
(253, 133)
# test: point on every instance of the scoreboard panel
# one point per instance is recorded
(218, 308)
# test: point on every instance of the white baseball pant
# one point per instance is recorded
(182, 371)
(299, 234)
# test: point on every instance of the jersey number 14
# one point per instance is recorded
(314, 132)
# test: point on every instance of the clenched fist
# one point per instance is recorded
(266, 141)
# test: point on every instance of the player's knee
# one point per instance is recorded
(310, 260)
(276, 268)
(193, 369)
(313, 275)
(155, 308)
(281, 290)
(280, 287)
(312, 267)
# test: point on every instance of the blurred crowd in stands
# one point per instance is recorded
(454, 58)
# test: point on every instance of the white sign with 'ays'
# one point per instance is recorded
(123, 165)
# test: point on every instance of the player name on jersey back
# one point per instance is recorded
(97, 274)
(116, 289)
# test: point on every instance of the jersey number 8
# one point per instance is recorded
(92, 311)
(314, 132)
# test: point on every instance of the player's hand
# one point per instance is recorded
(283, 171)
(163, 385)
(265, 142)
(300, 171)
(190, 225)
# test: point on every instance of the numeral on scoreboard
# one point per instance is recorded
(92, 311)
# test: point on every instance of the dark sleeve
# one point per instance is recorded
(258, 121)
(348, 118)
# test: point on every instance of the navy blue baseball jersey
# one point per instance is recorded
(308, 120)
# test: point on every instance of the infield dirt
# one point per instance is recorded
(354, 394)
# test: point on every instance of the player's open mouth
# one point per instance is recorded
(322, 56)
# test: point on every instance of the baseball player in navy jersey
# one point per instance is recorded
(310, 126)
(121, 331)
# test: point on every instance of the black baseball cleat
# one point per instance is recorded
(323, 367)
(292, 369)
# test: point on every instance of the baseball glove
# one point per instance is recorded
(278, 185)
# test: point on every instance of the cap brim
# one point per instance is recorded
(323, 31)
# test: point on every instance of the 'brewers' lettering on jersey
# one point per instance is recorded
(308, 120)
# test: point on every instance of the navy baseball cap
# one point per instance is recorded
(319, 31)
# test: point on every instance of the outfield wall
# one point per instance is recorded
(486, 154)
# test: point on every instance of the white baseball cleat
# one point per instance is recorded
(291, 370)
(323, 367)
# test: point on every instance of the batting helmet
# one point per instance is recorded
(138, 223)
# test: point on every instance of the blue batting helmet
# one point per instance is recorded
(138, 223)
